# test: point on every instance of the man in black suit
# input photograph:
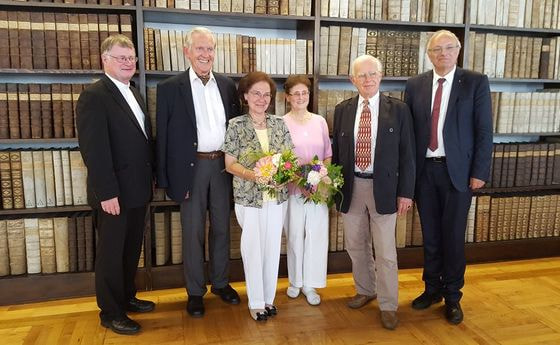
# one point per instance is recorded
(115, 142)
(372, 140)
(193, 109)
(452, 114)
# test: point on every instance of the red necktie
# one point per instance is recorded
(363, 141)
(435, 116)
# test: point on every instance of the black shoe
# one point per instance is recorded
(122, 325)
(227, 294)
(136, 305)
(195, 306)
(425, 300)
(453, 312)
(271, 311)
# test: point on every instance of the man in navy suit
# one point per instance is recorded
(193, 109)
(452, 116)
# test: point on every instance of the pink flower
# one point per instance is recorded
(287, 165)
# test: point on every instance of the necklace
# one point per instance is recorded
(258, 123)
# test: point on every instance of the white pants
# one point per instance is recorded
(307, 235)
(261, 237)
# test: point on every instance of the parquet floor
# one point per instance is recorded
(504, 303)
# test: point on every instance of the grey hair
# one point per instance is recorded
(199, 30)
(363, 58)
(440, 33)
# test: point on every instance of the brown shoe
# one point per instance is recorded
(389, 319)
(359, 301)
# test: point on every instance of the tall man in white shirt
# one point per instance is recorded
(372, 140)
(115, 141)
(452, 116)
(193, 109)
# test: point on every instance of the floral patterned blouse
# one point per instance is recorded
(241, 142)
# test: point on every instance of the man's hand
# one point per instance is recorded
(403, 205)
(111, 206)
(476, 183)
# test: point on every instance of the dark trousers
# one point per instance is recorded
(211, 191)
(118, 250)
(443, 214)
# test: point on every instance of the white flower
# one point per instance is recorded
(276, 159)
(313, 178)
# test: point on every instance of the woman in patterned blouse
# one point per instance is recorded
(261, 217)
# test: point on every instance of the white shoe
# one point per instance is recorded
(312, 296)
(292, 291)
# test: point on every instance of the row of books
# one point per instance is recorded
(525, 164)
(402, 53)
(234, 53)
(537, 14)
(38, 110)
(89, 2)
(46, 245)
(505, 56)
(37, 40)
(47, 178)
(435, 11)
(526, 112)
(277, 7)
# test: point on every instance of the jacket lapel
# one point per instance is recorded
(186, 93)
(455, 91)
(119, 98)
(427, 85)
(350, 113)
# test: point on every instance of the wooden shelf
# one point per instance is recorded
(43, 210)
(513, 29)
(57, 7)
(413, 26)
(514, 190)
(523, 81)
(50, 72)
(72, 141)
(544, 134)
(166, 74)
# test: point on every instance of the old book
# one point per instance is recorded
(501, 47)
(84, 41)
(556, 170)
(344, 50)
(38, 41)
(28, 178)
(177, 238)
(79, 178)
(23, 108)
(39, 179)
(89, 237)
(32, 246)
(13, 110)
(72, 244)
(497, 165)
(511, 164)
(67, 176)
(510, 53)
(13, 35)
(105, 28)
(6, 180)
(4, 41)
(549, 166)
(495, 221)
(63, 41)
(46, 119)
(4, 120)
(4, 255)
(334, 39)
(535, 57)
(46, 240)
(17, 180)
(126, 25)
(544, 58)
(522, 160)
(35, 110)
(16, 246)
(51, 50)
(67, 111)
(74, 37)
(94, 43)
(49, 178)
(161, 238)
(81, 243)
(323, 50)
(543, 154)
(56, 102)
(57, 189)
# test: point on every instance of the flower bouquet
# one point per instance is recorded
(274, 170)
(320, 182)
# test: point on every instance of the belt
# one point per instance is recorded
(210, 155)
(436, 159)
(363, 175)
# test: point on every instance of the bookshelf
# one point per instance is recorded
(34, 287)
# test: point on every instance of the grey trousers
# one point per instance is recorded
(362, 223)
(211, 191)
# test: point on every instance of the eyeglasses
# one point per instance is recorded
(123, 59)
(439, 50)
(300, 94)
(364, 76)
(258, 94)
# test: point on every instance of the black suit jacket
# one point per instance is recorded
(393, 165)
(117, 154)
(176, 142)
(467, 131)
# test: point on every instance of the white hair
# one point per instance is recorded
(199, 30)
(364, 58)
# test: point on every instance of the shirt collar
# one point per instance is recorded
(371, 100)
(193, 76)
(120, 85)
(448, 77)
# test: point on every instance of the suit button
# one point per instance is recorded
(194, 144)
(148, 164)
(192, 164)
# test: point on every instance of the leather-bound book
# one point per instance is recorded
(56, 99)
(38, 40)
(89, 242)
(67, 111)
(13, 34)
(49, 178)
(4, 254)
(103, 25)
(61, 244)
(4, 41)
(67, 176)
(79, 178)
(126, 25)
(74, 36)
(13, 111)
(63, 41)
(58, 178)
(51, 50)
(39, 179)
(76, 90)
(93, 32)
(24, 33)
(28, 178)
(23, 107)
(16, 246)
(84, 40)
(46, 111)
(4, 122)
(32, 245)
(17, 180)
(6, 180)
(72, 245)
(46, 240)
(81, 243)
(35, 110)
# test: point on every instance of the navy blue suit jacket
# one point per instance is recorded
(467, 131)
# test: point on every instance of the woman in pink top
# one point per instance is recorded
(307, 224)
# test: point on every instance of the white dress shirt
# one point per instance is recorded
(374, 109)
(209, 112)
(132, 102)
(440, 151)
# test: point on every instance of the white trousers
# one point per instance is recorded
(307, 239)
(261, 237)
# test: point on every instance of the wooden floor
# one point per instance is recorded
(504, 303)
